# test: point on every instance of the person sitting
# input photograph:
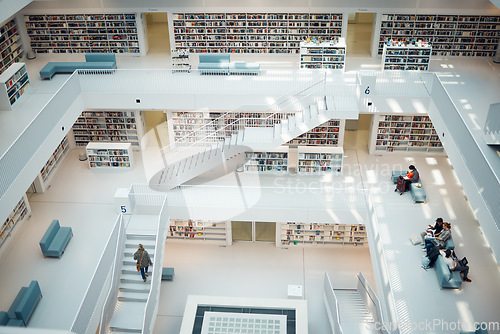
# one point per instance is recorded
(440, 241)
(433, 231)
(411, 177)
(454, 265)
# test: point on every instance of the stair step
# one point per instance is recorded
(130, 254)
(132, 287)
(134, 278)
(125, 316)
(141, 236)
(133, 296)
(123, 331)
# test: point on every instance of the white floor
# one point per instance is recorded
(84, 200)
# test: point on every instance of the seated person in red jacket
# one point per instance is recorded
(411, 177)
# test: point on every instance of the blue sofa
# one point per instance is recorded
(22, 307)
(220, 63)
(417, 192)
(55, 239)
(93, 61)
(447, 278)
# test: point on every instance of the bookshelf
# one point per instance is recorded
(406, 57)
(324, 55)
(305, 234)
(109, 126)
(43, 180)
(404, 133)
(275, 161)
(83, 33)
(199, 230)
(330, 133)
(14, 83)
(109, 156)
(180, 60)
(449, 35)
(251, 32)
(11, 225)
(10, 45)
(319, 160)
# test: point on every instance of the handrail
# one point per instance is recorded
(151, 308)
(220, 119)
(88, 306)
(328, 295)
(218, 136)
(112, 297)
(376, 302)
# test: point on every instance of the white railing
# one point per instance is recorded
(222, 128)
(112, 297)
(378, 255)
(371, 301)
(24, 148)
(332, 305)
(163, 81)
(88, 315)
(154, 293)
(144, 200)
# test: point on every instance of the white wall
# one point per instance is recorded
(10, 7)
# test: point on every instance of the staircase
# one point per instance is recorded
(315, 110)
(353, 312)
(132, 292)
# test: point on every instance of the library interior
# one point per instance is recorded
(285, 164)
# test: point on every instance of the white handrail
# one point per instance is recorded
(111, 299)
(154, 293)
(377, 312)
(89, 306)
(332, 305)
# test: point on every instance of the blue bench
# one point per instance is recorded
(219, 63)
(416, 189)
(167, 274)
(22, 307)
(447, 278)
(55, 239)
(93, 61)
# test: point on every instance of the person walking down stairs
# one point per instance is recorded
(143, 261)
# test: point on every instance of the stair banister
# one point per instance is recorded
(112, 297)
(151, 309)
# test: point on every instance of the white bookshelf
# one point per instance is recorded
(110, 156)
(83, 33)
(180, 60)
(319, 160)
(330, 133)
(43, 180)
(10, 45)
(449, 35)
(404, 133)
(199, 230)
(324, 55)
(405, 57)
(275, 161)
(14, 83)
(251, 32)
(109, 126)
(306, 234)
(12, 224)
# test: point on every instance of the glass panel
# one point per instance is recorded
(265, 231)
(242, 231)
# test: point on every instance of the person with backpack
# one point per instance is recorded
(454, 265)
(143, 261)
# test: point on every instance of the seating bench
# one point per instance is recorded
(93, 61)
(167, 274)
(417, 192)
(22, 307)
(447, 278)
(55, 239)
(221, 64)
